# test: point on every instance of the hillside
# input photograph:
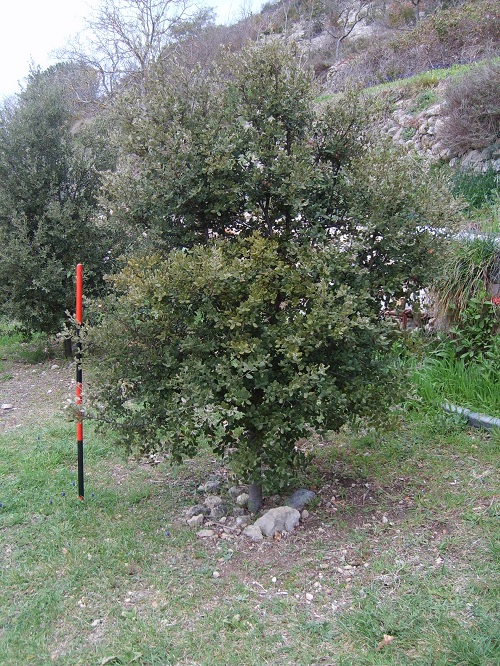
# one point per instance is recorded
(362, 42)
(431, 66)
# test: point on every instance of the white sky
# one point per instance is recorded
(31, 29)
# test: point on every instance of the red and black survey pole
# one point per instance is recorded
(79, 416)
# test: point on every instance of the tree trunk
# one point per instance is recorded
(254, 497)
(68, 348)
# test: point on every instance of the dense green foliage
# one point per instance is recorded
(211, 155)
(246, 345)
(49, 182)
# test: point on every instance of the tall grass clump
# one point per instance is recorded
(463, 295)
(444, 377)
(479, 188)
(464, 368)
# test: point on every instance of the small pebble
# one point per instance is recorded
(309, 596)
(216, 574)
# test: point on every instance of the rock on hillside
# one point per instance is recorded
(419, 129)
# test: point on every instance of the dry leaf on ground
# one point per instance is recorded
(385, 641)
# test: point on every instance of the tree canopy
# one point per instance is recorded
(240, 145)
(50, 173)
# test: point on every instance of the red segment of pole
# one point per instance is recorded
(79, 293)
(79, 423)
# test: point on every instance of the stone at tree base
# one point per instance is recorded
(253, 532)
(205, 534)
(212, 500)
(281, 519)
(242, 500)
(197, 509)
(300, 498)
(210, 486)
(195, 521)
(239, 511)
(234, 491)
(219, 511)
(242, 521)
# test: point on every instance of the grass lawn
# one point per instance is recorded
(403, 542)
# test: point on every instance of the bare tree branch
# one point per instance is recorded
(343, 16)
(123, 38)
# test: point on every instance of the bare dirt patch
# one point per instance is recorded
(35, 393)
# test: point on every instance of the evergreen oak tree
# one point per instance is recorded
(283, 229)
(50, 174)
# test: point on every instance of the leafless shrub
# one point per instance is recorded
(472, 110)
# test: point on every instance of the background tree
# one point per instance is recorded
(124, 38)
(342, 17)
(50, 165)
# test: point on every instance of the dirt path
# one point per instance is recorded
(33, 393)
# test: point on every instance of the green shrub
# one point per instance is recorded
(475, 331)
(252, 344)
(245, 346)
